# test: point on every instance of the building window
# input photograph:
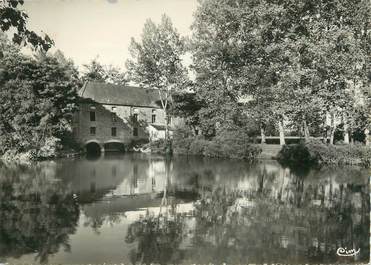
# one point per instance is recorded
(153, 118)
(135, 131)
(93, 130)
(114, 117)
(113, 131)
(92, 115)
(135, 117)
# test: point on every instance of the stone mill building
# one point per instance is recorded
(112, 117)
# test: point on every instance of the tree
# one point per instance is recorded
(219, 56)
(38, 98)
(114, 75)
(294, 58)
(156, 62)
(95, 71)
(187, 106)
(11, 17)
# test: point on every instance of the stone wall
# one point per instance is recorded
(119, 117)
(103, 123)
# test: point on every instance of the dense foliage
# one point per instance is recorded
(233, 144)
(300, 63)
(37, 99)
(316, 152)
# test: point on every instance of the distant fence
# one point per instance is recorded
(288, 139)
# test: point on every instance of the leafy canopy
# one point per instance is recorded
(12, 17)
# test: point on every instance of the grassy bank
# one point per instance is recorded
(316, 152)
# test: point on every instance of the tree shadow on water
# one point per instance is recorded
(37, 213)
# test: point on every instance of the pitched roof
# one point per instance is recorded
(119, 95)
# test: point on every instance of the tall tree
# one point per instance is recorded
(295, 58)
(156, 62)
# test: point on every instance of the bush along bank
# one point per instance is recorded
(316, 152)
(227, 144)
(51, 148)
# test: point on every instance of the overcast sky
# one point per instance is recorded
(84, 29)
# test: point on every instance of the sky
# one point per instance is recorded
(86, 29)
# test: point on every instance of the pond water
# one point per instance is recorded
(137, 208)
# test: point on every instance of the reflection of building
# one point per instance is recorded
(118, 114)
(147, 177)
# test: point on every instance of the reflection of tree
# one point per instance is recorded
(95, 218)
(37, 213)
(306, 224)
(158, 236)
(216, 226)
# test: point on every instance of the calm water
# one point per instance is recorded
(143, 209)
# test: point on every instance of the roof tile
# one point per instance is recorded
(120, 95)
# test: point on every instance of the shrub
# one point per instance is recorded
(182, 146)
(197, 146)
(213, 149)
(296, 153)
(227, 144)
(317, 152)
(181, 140)
(12, 156)
(232, 144)
(158, 146)
(49, 149)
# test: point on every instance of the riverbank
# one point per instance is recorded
(11, 156)
(217, 148)
(318, 153)
(269, 151)
(311, 153)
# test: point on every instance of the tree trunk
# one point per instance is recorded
(167, 138)
(262, 134)
(346, 129)
(306, 130)
(281, 131)
(166, 126)
(332, 129)
(367, 139)
(332, 134)
(346, 134)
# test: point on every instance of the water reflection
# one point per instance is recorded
(146, 209)
(158, 236)
(37, 213)
(244, 226)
